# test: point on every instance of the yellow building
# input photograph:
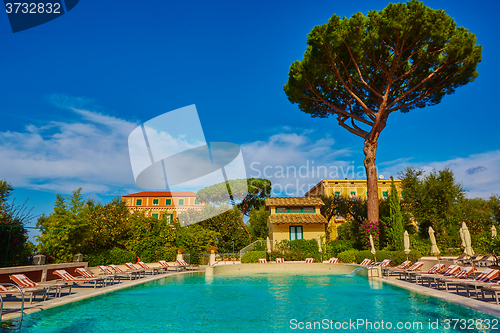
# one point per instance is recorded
(295, 218)
(349, 188)
(157, 204)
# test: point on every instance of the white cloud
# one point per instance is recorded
(478, 173)
(90, 152)
(295, 162)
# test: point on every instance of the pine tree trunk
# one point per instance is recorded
(370, 150)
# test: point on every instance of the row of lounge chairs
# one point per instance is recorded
(111, 274)
(477, 260)
(485, 283)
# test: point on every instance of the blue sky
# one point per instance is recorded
(74, 88)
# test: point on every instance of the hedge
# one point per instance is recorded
(253, 256)
(397, 257)
(115, 256)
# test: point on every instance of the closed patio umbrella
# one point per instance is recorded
(372, 248)
(468, 243)
(462, 237)
(268, 245)
(434, 249)
(493, 231)
(406, 242)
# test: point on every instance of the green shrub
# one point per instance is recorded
(253, 256)
(397, 257)
(167, 253)
(400, 256)
(106, 257)
(333, 248)
(348, 256)
(296, 250)
(260, 246)
(275, 254)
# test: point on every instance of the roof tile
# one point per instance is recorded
(296, 218)
(295, 201)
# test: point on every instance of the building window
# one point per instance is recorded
(337, 193)
(155, 215)
(181, 202)
(353, 194)
(156, 202)
(308, 210)
(385, 194)
(170, 218)
(295, 210)
(138, 202)
(281, 209)
(295, 232)
(196, 202)
(168, 202)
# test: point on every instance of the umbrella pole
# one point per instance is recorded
(472, 264)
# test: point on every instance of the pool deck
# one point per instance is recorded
(489, 307)
(12, 308)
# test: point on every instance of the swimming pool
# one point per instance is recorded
(256, 303)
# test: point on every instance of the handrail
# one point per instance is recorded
(22, 304)
(1, 308)
(251, 246)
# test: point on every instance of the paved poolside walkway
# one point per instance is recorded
(489, 307)
(12, 308)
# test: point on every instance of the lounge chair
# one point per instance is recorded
(166, 266)
(131, 274)
(309, 260)
(460, 259)
(390, 270)
(481, 281)
(469, 260)
(24, 282)
(23, 291)
(263, 261)
(185, 265)
(132, 268)
(333, 261)
(383, 263)
(409, 271)
(152, 270)
(366, 262)
(459, 277)
(485, 261)
(280, 260)
(70, 278)
(493, 289)
(109, 273)
(436, 269)
(85, 273)
(438, 276)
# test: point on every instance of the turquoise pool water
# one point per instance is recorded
(257, 303)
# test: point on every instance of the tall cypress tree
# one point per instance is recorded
(396, 229)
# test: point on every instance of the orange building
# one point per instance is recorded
(158, 204)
